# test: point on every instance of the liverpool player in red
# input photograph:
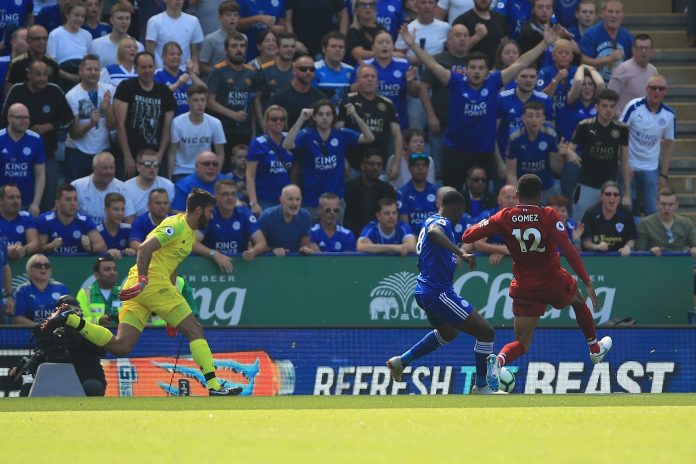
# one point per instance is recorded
(533, 234)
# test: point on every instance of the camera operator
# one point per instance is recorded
(64, 345)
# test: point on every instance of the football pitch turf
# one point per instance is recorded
(329, 429)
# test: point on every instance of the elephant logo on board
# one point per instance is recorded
(392, 299)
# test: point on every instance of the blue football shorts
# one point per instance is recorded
(444, 307)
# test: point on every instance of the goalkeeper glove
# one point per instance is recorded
(132, 292)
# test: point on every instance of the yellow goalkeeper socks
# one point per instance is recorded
(204, 358)
(94, 333)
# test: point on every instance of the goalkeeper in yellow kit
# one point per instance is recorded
(150, 289)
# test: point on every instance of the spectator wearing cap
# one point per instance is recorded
(416, 198)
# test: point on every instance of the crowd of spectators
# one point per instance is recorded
(323, 125)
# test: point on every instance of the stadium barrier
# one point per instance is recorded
(331, 361)
(368, 291)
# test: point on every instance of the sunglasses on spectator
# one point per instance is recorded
(657, 88)
(150, 164)
(209, 164)
(306, 68)
(332, 210)
(277, 119)
(45, 265)
(366, 5)
(611, 194)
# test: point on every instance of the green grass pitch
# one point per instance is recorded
(588, 429)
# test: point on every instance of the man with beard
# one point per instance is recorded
(149, 289)
(300, 93)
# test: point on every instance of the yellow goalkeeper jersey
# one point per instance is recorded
(176, 239)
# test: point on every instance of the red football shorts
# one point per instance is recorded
(533, 302)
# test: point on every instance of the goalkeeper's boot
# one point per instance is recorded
(485, 390)
(57, 318)
(396, 368)
(493, 372)
(225, 390)
(604, 347)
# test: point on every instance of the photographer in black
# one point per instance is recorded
(64, 345)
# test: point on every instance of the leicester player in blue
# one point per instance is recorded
(416, 197)
(447, 312)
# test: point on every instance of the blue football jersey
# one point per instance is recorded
(435, 264)
(391, 83)
(49, 224)
(230, 236)
(375, 234)
(35, 304)
(390, 15)
(533, 156)
(273, 168)
(546, 75)
(510, 109)
(164, 77)
(342, 240)
(14, 231)
(17, 161)
(418, 205)
(118, 242)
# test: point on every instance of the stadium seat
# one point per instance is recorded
(56, 379)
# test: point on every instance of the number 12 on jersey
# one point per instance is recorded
(528, 234)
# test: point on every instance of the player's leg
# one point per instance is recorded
(585, 320)
(443, 334)
(484, 333)
(185, 322)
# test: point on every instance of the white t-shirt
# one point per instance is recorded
(97, 138)
(431, 37)
(138, 196)
(64, 46)
(193, 139)
(646, 130)
(107, 51)
(186, 30)
(90, 201)
(455, 8)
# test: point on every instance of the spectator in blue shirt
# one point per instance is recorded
(585, 16)
(321, 149)
(158, 208)
(607, 44)
(333, 76)
(230, 230)
(328, 235)
(205, 176)
(36, 299)
(7, 303)
(416, 198)
(387, 234)
(17, 227)
(286, 226)
(470, 133)
(65, 232)
(114, 231)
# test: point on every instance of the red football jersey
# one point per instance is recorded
(531, 234)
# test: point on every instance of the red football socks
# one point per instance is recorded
(510, 352)
(586, 323)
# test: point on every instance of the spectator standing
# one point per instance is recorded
(106, 47)
(380, 115)
(232, 86)
(332, 75)
(192, 133)
(515, 12)
(206, 12)
(36, 299)
(213, 49)
(586, 17)
(313, 19)
(607, 44)
(99, 302)
(64, 232)
(15, 15)
(416, 199)
(486, 28)
(173, 76)
(321, 149)
(556, 79)
(363, 31)
(390, 15)
(50, 16)
(93, 118)
(276, 75)
(69, 43)
(206, 174)
(651, 130)
(19, 46)
(609, 226)
(414, 144)
(37, 38)
(300, 93)
(434, 95)
(363, 192)
(267, 44)
(328, 235)
(174, 25)
(603, 143)
(630, 78)
(124, 67)
(665, 230)
(143, 110)
(137, 188)
(449, 10)
(92, 189)
(533, 31)
(115, 232)
(495, 246)
(268, 164)
(230, 231)
(93, 10)
(17, 227)
(387, 234)
(256, 16)
(287, 226)
(158, 208)
(22, 158)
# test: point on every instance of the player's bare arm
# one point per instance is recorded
(438, 237)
